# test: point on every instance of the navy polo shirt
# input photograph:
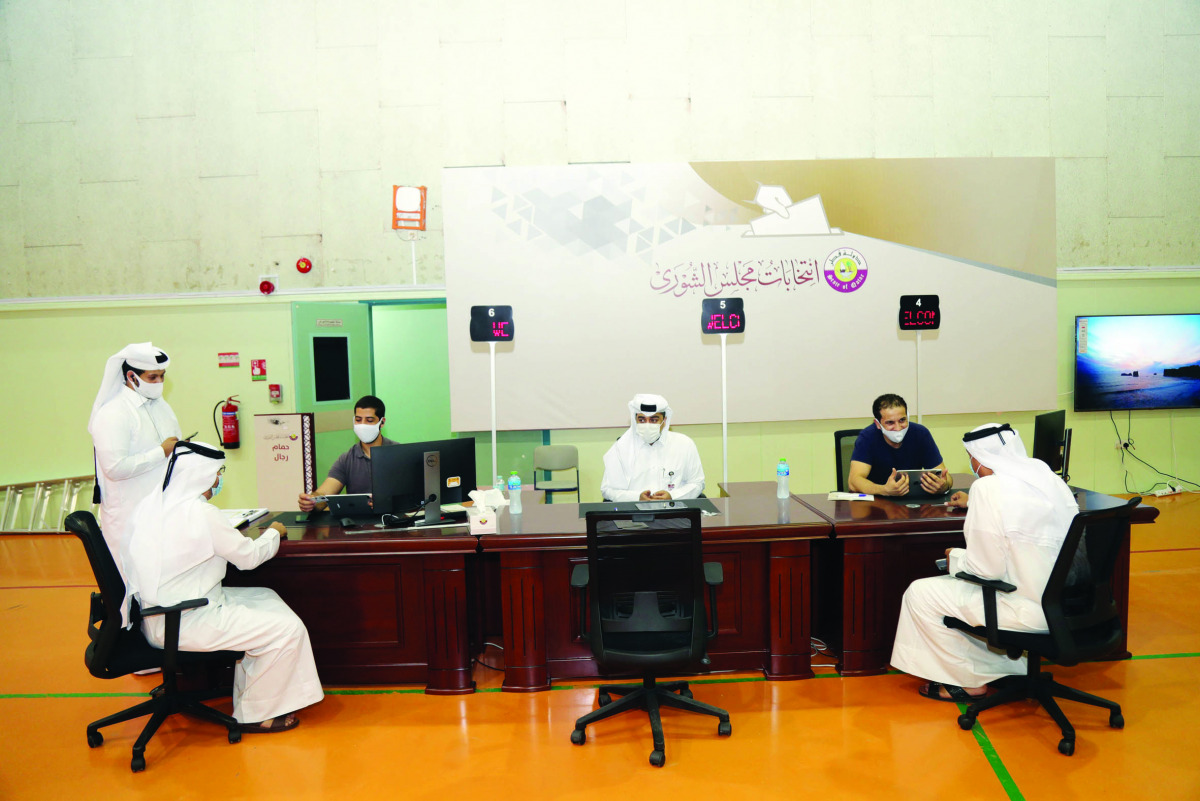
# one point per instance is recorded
(918, 450)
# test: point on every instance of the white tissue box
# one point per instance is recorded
(482, 521)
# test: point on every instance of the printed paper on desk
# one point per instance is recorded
(849, 496)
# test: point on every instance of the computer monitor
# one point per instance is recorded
(403, 477)
(1050, 439)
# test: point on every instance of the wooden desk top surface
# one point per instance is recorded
(750, 516)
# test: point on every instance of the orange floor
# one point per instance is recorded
(827, 738)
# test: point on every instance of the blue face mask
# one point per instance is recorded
(217, 489)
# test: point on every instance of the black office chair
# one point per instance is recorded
(1081, 614)
(643, 592)
(114, 651)
(843, 449)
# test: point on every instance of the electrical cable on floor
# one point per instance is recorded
(479, 661)
(819, 648)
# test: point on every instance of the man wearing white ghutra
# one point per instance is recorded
(133, 430)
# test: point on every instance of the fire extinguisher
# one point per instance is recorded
(227, 432)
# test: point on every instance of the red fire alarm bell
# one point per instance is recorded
(303, 265)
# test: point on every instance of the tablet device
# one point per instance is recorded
(915, 475)
(358, 505)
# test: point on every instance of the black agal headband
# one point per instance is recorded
(183, 448)
(971, 436)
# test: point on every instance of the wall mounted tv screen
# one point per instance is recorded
(1143, 361)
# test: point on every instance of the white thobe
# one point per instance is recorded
(924, 646)
(278, 674)
(128, 433)
(672, 464)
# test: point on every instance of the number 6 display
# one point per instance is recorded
(492, 324)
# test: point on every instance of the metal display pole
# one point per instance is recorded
(724, 417)
(492, 349)
(918, 377)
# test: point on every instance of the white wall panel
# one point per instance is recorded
(1078, 97)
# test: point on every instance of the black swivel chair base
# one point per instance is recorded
(1042, 687)
(649, 696)
(164, 701)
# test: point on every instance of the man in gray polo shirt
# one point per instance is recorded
(352, 470)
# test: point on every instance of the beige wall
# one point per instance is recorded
(185, 146)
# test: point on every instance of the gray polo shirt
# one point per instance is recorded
(353, 469)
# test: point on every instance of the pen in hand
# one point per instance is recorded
(188, 438)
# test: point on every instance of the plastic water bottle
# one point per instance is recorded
(514, 494)
(781, 478)
(499, 484)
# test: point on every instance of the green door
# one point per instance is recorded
(332, 347)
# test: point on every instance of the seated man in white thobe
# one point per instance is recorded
(649, 462)
(1018, 513)
(177, 549)
(134, 431)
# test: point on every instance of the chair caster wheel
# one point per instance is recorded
(605, 699)
(138, 763)
(724, 728)
(965, 722)
(1066, 747)
(235, 735)
(95, 739)
(579, 736)
(657, 758)
(686, 693)
(1116, 720)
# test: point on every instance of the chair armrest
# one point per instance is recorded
(171, 634)
(579, 577)
(182, 606)
(990, 588)
(995, 584)
(714, 574)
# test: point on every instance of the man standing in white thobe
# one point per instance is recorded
(649, 462)
(177, 549)
(134, 431)
(1017, 518)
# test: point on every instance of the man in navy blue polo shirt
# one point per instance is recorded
(892, 443)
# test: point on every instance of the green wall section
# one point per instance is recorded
(353, 321)
(412, 376)
(1165, 439)
(52, 359)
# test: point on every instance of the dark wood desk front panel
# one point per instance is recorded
(763, 607)
(882, 546)
(380, 607)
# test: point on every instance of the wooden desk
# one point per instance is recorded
(880, 547)
(763, 607)
(381, 607)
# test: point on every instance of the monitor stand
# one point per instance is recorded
(433, 489)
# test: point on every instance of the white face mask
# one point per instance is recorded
(149, 391)
(975, 465)
(367, 434)
(649, 432)
(895, 436)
